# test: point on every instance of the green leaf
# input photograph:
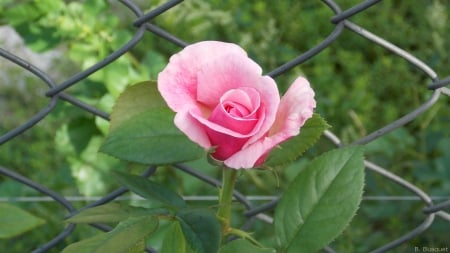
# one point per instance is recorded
(112, 212)
(242, 245)
(21, 13)
(77, 129)
(142, 129)
(151, 138)
(136, 99)
(154, 62)
(174, 241)
(293, 148)
(320, 201)
(126, 237)
(15, 221)
(201, 229)
(139, 247)
(149, 189)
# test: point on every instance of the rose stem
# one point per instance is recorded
(225, 199)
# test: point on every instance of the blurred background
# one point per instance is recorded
(359, 87)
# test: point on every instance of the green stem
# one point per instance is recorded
(246, 236)
(225, 199)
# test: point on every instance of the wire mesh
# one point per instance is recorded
(434, 208)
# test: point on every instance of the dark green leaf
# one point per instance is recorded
(15, 221)
(242, 245)
(293, 148)
(151, 138)
(321, 201)
(201, 229)
(112, 212)
(126, 237)
(78, 129)
(149, 189)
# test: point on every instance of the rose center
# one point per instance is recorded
(235, 109)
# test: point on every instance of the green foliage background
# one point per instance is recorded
(359, 88)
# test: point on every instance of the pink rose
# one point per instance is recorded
(222, 100)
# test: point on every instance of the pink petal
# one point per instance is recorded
(237, 110)
(226, 140)
(247, 158)
(246, 98)
(232, 72)
(295, 108)
(270, 99)
(177, 83)
(208, 134)
(226, 145)
(207, 124)
(190, 126)
(225, 73)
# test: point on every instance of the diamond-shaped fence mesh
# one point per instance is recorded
(429, 207)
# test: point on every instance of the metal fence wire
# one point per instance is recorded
(434, 210)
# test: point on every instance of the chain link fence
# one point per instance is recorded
(435, 210)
